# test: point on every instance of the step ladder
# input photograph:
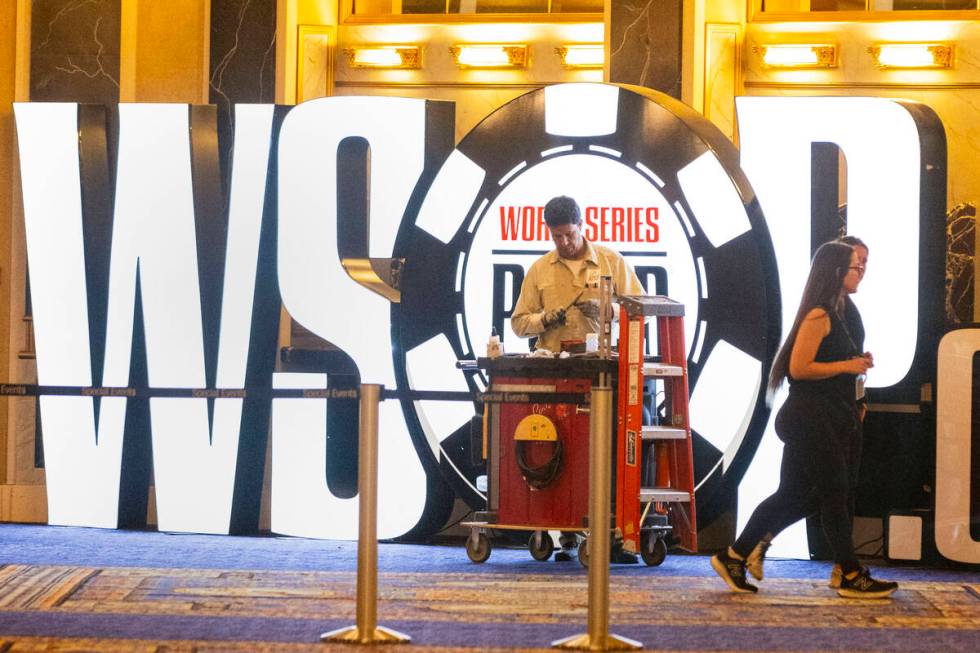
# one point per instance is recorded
(641, 509)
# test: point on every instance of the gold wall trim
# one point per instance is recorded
(463, 19)
(22, 52)
(964, 15)
(879, 85)
(305, 35)
(354, 84)
(714, 33)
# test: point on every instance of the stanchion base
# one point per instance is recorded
(584, 642)
(353, 635)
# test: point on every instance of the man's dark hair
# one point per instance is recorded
(562, 210)
(853, 241)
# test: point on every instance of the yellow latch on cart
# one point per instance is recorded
(537, 428)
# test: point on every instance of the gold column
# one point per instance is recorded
(15, 53)
(315, 16)
(692, 59)
(290, 14)
(164, 51)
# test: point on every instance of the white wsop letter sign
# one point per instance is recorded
(954, 478)
(153, 234)
(193, 465)
(318, 292)
(880, 142)
(82, 459)
(881, 145)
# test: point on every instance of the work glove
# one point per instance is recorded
(589, 308)
(552, 318)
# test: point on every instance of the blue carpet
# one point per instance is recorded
(94, 547)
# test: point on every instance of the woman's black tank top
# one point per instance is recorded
(836, 346)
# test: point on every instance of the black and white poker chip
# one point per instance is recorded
(645, 144)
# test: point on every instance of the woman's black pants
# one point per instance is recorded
(818, 472)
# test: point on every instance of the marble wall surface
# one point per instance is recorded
(243, 58)
(75, 51)
(961, 225)
(645, 44)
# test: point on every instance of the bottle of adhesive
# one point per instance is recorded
(494, 348)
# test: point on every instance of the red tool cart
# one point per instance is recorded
(536, 442)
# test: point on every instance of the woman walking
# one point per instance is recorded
(818, 425)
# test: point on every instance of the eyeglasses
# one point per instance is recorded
(859, 268)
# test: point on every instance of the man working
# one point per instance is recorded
(560, 294)
(560, 298)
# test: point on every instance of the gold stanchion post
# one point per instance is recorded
(598, 637)
(367, 630)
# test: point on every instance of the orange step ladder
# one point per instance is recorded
(650, 506)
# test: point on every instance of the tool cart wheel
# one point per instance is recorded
(653, 550)
(583, 552)
(478, 548)
(540, 545)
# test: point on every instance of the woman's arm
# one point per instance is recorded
(803, 367)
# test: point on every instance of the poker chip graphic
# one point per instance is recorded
(657, 182)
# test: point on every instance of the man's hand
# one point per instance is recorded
(590, 309)
(553, 318)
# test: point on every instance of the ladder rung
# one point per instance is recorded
(665, 494)
(662, 369)
(664, 433)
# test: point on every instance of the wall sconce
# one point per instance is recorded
(384, 56)
(490, 56)
(912, 55)
(581, 55)
(797, 56)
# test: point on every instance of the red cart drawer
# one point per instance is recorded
(563, 503)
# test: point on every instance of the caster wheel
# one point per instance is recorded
(653, 553)
(540, 545)
(583, 553)
(478, 550)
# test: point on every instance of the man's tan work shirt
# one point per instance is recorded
(550, 284)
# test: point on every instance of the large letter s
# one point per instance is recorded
(319, 293)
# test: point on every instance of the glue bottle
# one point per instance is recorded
(494, 348)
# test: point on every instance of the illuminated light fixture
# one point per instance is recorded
(912, 55)
(582, 55)
(798, 56)
(384, 56)
(490, 56)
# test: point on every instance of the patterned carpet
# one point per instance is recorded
(446, 603)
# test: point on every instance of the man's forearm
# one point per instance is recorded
(525, 325)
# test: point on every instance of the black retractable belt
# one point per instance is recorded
(34, 390)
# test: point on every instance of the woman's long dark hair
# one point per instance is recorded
(827, 271)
